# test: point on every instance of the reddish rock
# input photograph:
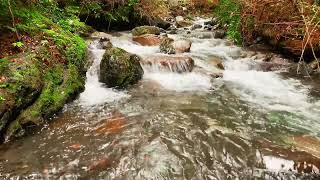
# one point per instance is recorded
(113, 124)
(101, 164)
(147, 39)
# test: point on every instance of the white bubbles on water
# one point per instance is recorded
(182, 82)
(96, 93)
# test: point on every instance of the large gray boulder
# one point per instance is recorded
(119, 68)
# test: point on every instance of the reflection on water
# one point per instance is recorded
(246, 125)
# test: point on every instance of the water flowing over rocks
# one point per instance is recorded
(180, 121)
(177, 64)
(181, 22)
(170, 46)
(119, 68)
(216, 62)
(104, 43)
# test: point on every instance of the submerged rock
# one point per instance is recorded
(138, 31)
(219, 34)
(212, 22)
(104, 43)
(179, 18)
(147, 40)
(166, 46)
(196, 26)
(272, 62)
(178, 64)
(119, 68)
(184, 23)
(162, 23)
(181, 22)
(170, 46)
(182, 45)
(216, 62)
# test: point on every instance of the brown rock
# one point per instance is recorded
(147, 39)
(112, 125)
(101, 164)
(216, 62)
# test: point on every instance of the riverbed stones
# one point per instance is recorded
(179, 64)
(119, 68)
(216, 62)
(182, 45)
(159, 22)
(181, 22)
(170, 46)
(179, 18)
(211, 22)
(147, 39)
(196, 26)
(219, 34)
(147, 35)
(141, 30)
(166, 46)
(104, 43)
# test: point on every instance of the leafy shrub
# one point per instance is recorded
(228, 12)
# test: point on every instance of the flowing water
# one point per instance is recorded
(178, 125)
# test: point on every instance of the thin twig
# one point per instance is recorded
(13, 20)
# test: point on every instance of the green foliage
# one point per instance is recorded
(228, 12)
(33, 21)
(42, 78)
(2, 98)
(4, 63)
(18, 44)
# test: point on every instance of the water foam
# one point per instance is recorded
(96, 93)
(182, 82)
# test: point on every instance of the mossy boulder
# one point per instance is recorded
(138, 31)
(119, 68)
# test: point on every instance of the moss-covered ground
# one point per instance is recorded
(46, 70)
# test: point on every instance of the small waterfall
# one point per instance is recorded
(95, 92)
(167, 64)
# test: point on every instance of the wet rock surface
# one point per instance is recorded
(147, 39)
(170, 46)
(177, 64)
(142, 30)
(119, 68)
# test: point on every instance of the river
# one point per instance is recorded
(178, 125)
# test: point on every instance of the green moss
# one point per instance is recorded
(138, 31)
(119, 68)
(40, 84)
(62, 84)
(4, 63)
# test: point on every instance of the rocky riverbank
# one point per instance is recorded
(46, 72)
